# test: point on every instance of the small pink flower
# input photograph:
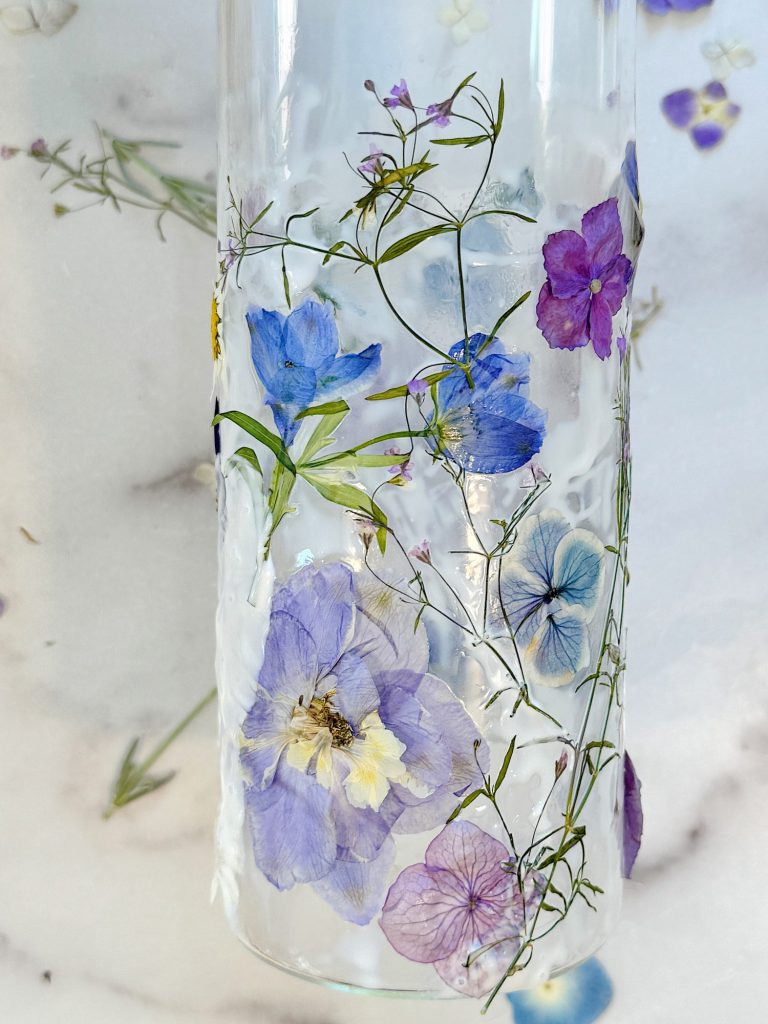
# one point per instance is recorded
(561, 764)
(422, 553)
(372, 164)
(38, 148)
(8, 152)
(534, 476)
(417, 388)
(401, 469)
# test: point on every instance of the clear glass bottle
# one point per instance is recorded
(429, 225)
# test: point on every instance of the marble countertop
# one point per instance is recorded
(107, 630)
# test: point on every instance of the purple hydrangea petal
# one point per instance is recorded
(566, 261)
(425, 915)
(600, 326)
(633, 816)
(356, 694)
(484, 972)
(292, 828)
(680, 107)
(356, 889)
(707, 134)
(477, 857)
(322, 600)
(615, 283)
(601, 227)
(563, 322)
(290, 663)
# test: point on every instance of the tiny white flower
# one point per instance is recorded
(727, 55)
(44, 16)
(463, 19)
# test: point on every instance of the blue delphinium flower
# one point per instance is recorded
(550, 588)
(491, 427)
(580, 996)
(297, 360)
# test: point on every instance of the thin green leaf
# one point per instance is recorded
(300, 216)
(502, 320)
(502, 213)
(402, 390)
(500, 112)
(465, 803)
(348, 496)
(249, 456)
(401, 205)
(255, 429)
(329, 408)
(322, 435)
(505, 766)
(332, 251)
(405, 245)
(286, 282)
(467, 141)
(403, 173)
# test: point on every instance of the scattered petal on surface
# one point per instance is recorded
(633, 816)
(706, 114)
(580, 996)
(45, 16)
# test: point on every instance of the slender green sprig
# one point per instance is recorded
(122, 174)
(134, 779)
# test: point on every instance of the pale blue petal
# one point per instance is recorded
(267, 342)
(580, 996)
(322, 600)
(579, 570)
(310, 334)
(522, 594)
(356, 889)
(350, 373)
(560, 647)
(537, 541)
(384, 630)
(290, 665)
(356, 693)
(292, 828)
(265, 730)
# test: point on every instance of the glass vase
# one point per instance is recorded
(429, 223)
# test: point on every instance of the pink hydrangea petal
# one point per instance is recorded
(484, 973)
(563, 322)
(615, 283)
(566, 261)
(601, 227)
(468, 851)
(426, 915)
(601, 326)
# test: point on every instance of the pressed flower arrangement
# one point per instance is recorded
(422, 377)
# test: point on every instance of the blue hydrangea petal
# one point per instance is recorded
(310, 334)
(559, 648)
(537, 542)
(267, 330)
(292, 828)
(356, 889)
(522, 593)
(580, 996)
(350, 373)
(579, 568)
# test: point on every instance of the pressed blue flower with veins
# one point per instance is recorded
(297, 360)
(550, 588)
(580, 996)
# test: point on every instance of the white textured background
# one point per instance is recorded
(104, 384)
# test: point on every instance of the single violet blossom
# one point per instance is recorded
(348, 740)
(372, 164)
(666, 6)
(399, 97)
(550, 588)
(417, 388)
(621, 345)
(440, 113)
(421, 552)
(462, 897)
(38, 148)
(492, 427)
(297, 360)
(587, 279)
(579, 996)
(633, 816)
(706, 114)
(402, 469)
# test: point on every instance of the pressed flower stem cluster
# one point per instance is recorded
(124, 175)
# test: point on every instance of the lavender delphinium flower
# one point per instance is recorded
(463, 896)
(549, 589)
(706, 114)
(399, 97)
(491, 427)
(587, 279)
(297, 360)
(349, 739)
(372, 164)
(633, 816)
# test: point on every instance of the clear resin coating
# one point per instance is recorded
(429, 225)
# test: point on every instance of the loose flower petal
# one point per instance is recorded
(633, 816)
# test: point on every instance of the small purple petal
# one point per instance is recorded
(563, 322)
(601, 227)
(417, 387)
(633, 816)
(566, 261)
(680, 107)
(707, 134)
(715, 90)
(614, 283)
(621, 344)
(356, 693)
(600, 326)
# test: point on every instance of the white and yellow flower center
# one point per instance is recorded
(320, 736)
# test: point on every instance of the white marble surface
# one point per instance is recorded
(104, 384)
